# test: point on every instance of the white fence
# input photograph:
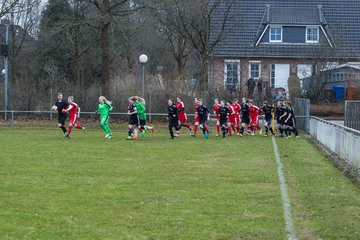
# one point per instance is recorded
(341, 140)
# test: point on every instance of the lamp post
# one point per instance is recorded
(143, 59)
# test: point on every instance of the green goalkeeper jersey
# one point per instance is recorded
(104, 109)
(141, 109)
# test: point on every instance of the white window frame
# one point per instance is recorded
(281, 33)
(258, 63)
(237, 62)
(318, 34)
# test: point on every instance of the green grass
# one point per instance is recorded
(155, 188)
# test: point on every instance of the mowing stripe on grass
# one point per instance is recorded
(284, 195)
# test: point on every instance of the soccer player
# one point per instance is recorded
(196, 118)
(204, 115)
(223, 117)
(280, 113)
(236, 106)
(267, 110)
(133, 119)
(231, 119)
(141, 109)
(216, 107)
(289, 122)
(104, 108)
(173, 118)
(254, 117)
(60, 106)
(74, 114)
(245, 116)
(182, 114)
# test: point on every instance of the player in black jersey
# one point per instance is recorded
(204, 115)
(133, 119)
(267, 110)
(173, 113)
(224, 113)
(289, 122)
(245, 115)
(60, 106)
(279, 114)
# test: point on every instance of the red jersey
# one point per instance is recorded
(181, 107)
(236, 107)
(216, 109)
(254, 111)
(72, 109)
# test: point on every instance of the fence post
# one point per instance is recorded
(12, 119)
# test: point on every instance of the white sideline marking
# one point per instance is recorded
(284, 195)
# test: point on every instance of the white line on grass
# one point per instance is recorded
(284, 195)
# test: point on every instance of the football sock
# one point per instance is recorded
(218, 129)
(129, 131)
(271, 130)
(63, 129)
(78, 126)
(171, 132)
(195, 129)
(69, 129)
(242, 130)
(188, 126)
(206, 128)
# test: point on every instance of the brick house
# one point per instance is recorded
(269, 41)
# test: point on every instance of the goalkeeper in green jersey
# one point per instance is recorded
(103, 109)
(141, 109)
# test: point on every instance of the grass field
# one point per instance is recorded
(92, 188)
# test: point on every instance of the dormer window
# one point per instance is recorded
(276, 34)
(312, 35)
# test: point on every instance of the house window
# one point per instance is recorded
(272, 77)
(275, 34)
(232, 75)
(312, 34)
(254, 69)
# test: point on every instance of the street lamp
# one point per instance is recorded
(143, 59)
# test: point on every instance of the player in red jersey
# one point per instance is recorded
(216, 107)
(196, 118)
(73, 111)
(182, 114)
(254, 118)
(231, 119)
(237, 108)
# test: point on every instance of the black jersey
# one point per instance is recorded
(224, 112)
(61, 105)
(267, 110)
(132, 108)
(202, 112)
(279, 111)
(172, 112)
(245, 109)
(290, 111)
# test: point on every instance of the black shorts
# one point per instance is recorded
(174, 122)
(62, 119)
(202, 121)
(142, 122)
(223, 122)
(134, 120)
(268, 121)
(290, 123)
(245, 119)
